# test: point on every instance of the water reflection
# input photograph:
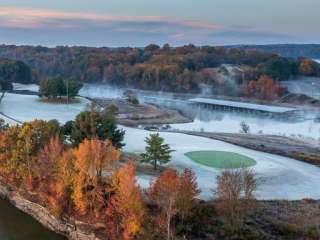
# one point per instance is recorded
(15, 225)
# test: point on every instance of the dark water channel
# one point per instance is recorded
(16, 225)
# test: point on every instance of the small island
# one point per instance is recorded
(59, 90)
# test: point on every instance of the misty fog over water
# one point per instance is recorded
(216, 121)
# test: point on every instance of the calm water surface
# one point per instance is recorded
(15, 225)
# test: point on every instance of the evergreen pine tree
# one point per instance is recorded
(157, 152)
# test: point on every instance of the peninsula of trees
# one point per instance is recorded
(76, 171)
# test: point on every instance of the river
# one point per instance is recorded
(16, 225)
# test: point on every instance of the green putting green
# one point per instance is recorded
(220, 159)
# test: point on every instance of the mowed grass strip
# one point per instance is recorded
(220, 159)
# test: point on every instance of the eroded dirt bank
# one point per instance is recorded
(73, 231)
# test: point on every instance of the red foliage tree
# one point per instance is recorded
(174, 194)
(126, 208)
(265, 88)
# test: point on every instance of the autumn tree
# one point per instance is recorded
(58, 195)
(188, 192)
(164, 192)
(64, 183)
(93, 160)
(157, 152)
(265, 88)
(20, 147)
(48, 159)
(174, 195)
(126, 208)
(308, 67)
(8, 154)
(235, 196)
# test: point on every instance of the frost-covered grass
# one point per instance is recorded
(220, 159)
(278, 177)
(29, 87)
(230, 123)
(27, 108)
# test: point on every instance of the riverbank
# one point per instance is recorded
(73, 231)
(278, 219)
(134, 115)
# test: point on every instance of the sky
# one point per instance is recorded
(120, 23)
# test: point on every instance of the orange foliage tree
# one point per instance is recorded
(48, 158)
(308, 67)
(126, 208)
(188, 191)
(93, 158)
(265, 88)
(174, 194)
(61, 189)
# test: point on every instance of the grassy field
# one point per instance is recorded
(219, 159)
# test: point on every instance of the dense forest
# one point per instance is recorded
(14, 71)
(288, 50)
(181, 69)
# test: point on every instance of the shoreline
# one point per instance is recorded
(265, 210)
(71, 231)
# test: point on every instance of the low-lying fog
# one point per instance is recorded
(309, 86)
(208, 120)
(230, 123)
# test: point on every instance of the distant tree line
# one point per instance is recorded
(163, 68)
(287, 50)
(181, 69)
(14, 71)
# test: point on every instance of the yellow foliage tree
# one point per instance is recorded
(126, 203)
(93, 159)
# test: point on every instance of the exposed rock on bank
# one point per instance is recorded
(73, 231)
